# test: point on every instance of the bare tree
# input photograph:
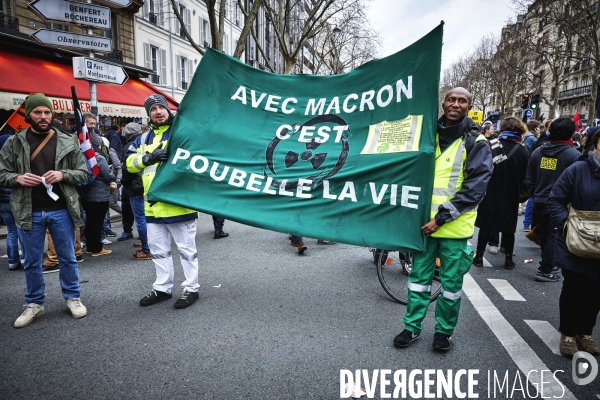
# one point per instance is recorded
(350, 43)
(216, 16)
(294, 22)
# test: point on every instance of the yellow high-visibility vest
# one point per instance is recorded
(134, 164)
(449, 175)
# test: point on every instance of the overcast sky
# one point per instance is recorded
(402, 22)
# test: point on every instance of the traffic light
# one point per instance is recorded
(535, 101)
(525, 101)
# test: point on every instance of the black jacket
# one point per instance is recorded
(132, 182)
(478, 169)
(115, 142)
(545, 166)
(499, 208)
(579, 186)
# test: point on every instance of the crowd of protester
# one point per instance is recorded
(544, 170)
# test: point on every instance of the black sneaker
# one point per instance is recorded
(556, 271)
(441, 342)
(405, 338)
(47, 269)
(110, 233)
(154, 297)
(186, 299)
(125, 236)
(79, 258)
(220, 234)
(546, 277)
(478, 260)
(18, 267)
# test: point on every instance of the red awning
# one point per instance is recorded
(22, 75)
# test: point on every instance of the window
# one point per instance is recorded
(156, 60)
(59, 27)
(153, 12)
(205, 37)
(187, 18)
(184, 72)
(226, 43)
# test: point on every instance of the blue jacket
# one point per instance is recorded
(579, 185)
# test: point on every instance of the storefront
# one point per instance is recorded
(22, 75)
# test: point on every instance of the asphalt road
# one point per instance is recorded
(270, 324)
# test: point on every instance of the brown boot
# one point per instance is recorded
(567, 347)
(301, 248)
(588, 344)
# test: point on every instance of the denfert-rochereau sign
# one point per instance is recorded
(72, 13)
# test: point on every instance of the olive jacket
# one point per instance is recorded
(14, 161)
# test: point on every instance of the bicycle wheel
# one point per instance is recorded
(393, 269)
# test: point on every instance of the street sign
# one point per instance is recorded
(528, 113)
(94, 70)
(72, 13)
(48, 37)
(115, 3)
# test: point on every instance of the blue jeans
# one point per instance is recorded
(527, 217)
(137, 205)
(12, 238)
(62, 230)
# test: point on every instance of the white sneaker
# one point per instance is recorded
(106, 241)
(493, 250)
(32, 311)
(76, 307)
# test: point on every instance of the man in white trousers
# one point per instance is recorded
(164, 221)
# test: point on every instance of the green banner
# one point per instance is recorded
(347, 158)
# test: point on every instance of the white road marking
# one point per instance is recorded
(517, 348)
(506, 290)
(546, 332)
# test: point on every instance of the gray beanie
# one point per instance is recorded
(131, 128)
(154, 99)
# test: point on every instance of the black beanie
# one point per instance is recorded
(154, 99)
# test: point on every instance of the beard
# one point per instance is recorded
(39, 129)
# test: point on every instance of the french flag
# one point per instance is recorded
(84, 138)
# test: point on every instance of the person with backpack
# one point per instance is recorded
(498, 211)
(463, 167)
(545, 166)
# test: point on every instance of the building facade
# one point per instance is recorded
(162, 47)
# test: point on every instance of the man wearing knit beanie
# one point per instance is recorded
(164, 221)
(39, 102)
(43, 165)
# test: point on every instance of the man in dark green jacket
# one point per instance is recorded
(43, 164)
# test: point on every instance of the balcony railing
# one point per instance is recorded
(576, 92)
(184, 85)
(153, 18)
(9, 22)
(116, 54)
(155, 79)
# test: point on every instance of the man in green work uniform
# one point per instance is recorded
(463, 167)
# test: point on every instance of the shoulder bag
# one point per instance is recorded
(583, 233)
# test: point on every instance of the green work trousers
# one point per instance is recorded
(456, 258)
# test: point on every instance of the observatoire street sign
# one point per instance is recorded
(72, 13)
(47, 37)
(94, 70)
(115, 3)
